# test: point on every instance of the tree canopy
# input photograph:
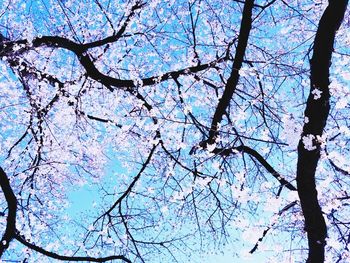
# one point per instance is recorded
(196, 127)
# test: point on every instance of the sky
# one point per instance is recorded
(85, 199)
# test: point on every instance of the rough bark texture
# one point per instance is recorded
(317, 110)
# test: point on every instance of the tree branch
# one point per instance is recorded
(136, 178)
(232, 82)
(67, 258)
(259, 158)
(11, 200)
(115, 37)
(6, 49)
(267, 229)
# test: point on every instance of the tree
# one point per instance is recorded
(317, 111)
(187, 120)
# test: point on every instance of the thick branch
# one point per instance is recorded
(68, 258)
(11, 215)
(80, 50)
(317, 110)
(6, 49)
(232, 82)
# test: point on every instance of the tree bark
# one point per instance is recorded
(11, 200)
(317, 110)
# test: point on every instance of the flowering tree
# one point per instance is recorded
(199, 124)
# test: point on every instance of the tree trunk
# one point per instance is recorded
(317, 110)
(11, 200)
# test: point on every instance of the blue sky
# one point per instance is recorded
(125, 149)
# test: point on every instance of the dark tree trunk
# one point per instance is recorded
(11, 200)
(317, 110)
